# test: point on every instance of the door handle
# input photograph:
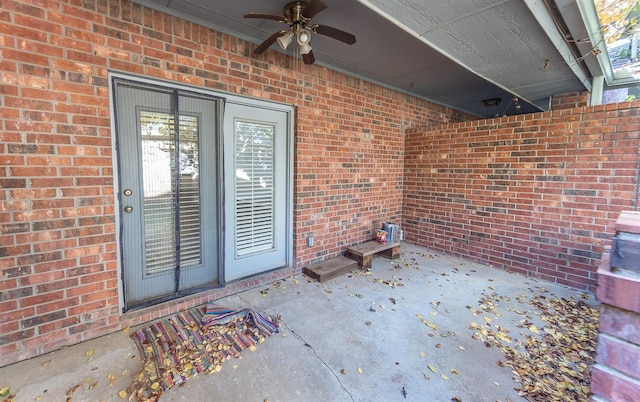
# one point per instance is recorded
(128, 209)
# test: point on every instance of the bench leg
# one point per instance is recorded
(392, 253)
(356, 257)
(367, 261)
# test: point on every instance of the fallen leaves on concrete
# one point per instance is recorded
(553, 363)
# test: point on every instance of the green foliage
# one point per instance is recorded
(617, 17)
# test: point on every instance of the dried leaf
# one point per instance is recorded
(72, 389)
(359, 370)
(4, 391)
(454, 371)
(430, 325)
(122, 394)
(444, 377)
(552, 363)
(432, 368)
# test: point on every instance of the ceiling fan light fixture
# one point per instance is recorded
(304, 37)
(305, 49)
(285, 39)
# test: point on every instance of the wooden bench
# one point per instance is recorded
(363, 253)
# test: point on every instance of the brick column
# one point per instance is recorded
(616, 374)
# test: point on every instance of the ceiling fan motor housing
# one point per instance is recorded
(293, 12)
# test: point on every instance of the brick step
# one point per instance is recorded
(329, 269)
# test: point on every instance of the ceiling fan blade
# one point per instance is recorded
(312, 8)
(308, 58)
(335, 33)
(278, 18)
(268, 42)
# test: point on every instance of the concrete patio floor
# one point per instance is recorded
(358, 337)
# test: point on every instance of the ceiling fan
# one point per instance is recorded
(297, 15)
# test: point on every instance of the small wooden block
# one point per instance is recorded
(329, 269)
(363, 253)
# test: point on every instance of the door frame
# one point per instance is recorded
(225, 97)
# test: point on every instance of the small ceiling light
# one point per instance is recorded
(491, 102)
(285, 39)
(304, 37)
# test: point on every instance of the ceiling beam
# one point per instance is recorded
(550, 27)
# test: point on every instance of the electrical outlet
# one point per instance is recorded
(310, 241)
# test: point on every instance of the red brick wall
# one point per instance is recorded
(58, 264)
(536, 194)
(616, 373)
(350, 166)
(570, 100)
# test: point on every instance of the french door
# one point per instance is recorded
(257, 203)
(204, 190)
(168, 191)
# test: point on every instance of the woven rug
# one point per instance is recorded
(193, 342)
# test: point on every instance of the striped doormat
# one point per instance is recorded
(193, 342)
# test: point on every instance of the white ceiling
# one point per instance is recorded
(452, 52)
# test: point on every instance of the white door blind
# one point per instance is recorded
(254, 187)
